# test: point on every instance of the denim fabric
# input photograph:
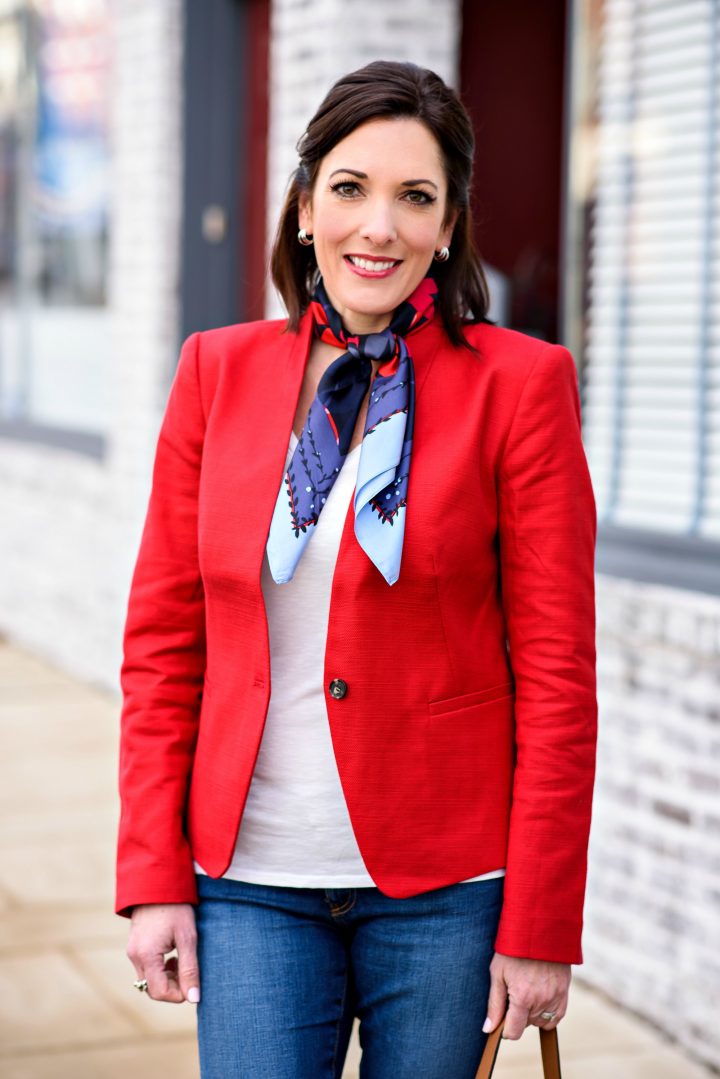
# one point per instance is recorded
(283, 971)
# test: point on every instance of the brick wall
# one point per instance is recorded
(313, 42)
(71, 524)
(652, 937)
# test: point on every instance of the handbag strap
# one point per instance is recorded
(549, 1051)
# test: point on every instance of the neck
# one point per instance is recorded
(363, 324)
(357, 323)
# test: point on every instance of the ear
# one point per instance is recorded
(447, 230)
(305, 212)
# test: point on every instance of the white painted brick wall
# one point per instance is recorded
(71, 525)
(652, 937)
(314, 42)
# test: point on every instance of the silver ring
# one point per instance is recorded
(547, 1015)
(142, 985)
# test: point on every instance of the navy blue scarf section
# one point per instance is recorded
(381, 488)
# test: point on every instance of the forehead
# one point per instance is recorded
(403, 145)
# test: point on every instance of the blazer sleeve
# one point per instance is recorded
(163, 662)
(547, 545)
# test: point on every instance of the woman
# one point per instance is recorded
(382, 508)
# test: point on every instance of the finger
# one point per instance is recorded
(497, 1003)
(187, 966)
(133, 955)
(515, 1021)
(138, 967)
(557, 1006)
(171, 969)
(161, 983)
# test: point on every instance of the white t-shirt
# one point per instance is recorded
(296, 829)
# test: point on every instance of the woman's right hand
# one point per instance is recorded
(156, 929)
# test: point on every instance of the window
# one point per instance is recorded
(54, 184)
(649, 149)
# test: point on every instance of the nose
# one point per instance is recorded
(379, 225)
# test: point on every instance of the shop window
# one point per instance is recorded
(54, 219)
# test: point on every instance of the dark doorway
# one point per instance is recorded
(512, 66)
(225, 144)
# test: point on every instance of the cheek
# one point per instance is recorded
(331, 229)
(424, 235)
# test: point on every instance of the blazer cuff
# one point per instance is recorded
(168, 887)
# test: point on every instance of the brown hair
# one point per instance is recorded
(387, 89)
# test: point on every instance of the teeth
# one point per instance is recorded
(365, 264)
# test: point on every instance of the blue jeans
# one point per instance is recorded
(283, 972)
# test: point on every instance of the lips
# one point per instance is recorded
(369, 264)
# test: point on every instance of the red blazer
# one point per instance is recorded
(466, 739)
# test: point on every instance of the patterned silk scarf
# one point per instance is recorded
(384, 467)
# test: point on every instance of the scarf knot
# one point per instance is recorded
(373, 346)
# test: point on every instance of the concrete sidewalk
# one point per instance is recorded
(67, 1006)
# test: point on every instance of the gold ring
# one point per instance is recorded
(142, 985)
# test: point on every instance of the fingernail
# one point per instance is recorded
(487, 1025)
(194, 995)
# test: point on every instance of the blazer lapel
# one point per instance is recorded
(251, 444)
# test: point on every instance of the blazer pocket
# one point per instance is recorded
(468, 700)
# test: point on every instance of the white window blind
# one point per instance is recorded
(652, 373)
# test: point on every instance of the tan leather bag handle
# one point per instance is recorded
(549, 1050)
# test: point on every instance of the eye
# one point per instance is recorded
(346, 189)
(419, 198)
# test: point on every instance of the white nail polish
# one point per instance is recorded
(194, 995)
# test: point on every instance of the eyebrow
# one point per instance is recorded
(363, 176)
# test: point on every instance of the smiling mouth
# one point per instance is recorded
(372, 265)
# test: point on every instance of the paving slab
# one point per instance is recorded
(36, 928)
(48, 773)
(33, 824)
(176, 1059)
(653, 1064)
(22, 670)
(46, 1003)
(70, 872)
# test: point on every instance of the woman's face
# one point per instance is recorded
(377, 216)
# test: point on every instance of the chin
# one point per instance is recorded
(375, 301)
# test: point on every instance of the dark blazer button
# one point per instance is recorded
(338, 688)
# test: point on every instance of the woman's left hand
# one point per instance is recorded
(526, 988)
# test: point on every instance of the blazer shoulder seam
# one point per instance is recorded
(546, 346)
